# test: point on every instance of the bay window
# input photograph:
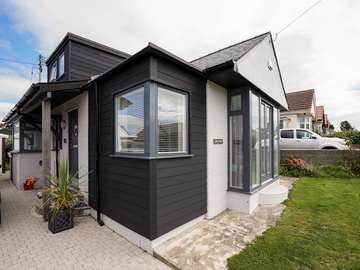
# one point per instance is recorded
(172, 121)
(151, 121)
(129, 121)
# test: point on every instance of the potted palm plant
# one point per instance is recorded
(61, 198)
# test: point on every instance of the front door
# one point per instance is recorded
(265, 142)
(73, 142)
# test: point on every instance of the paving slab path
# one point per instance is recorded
(26, 243)
(211, 242)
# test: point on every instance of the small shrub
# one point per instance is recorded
(354, 167)
(350, 136)
(295, 168)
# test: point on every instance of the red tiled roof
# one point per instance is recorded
(319, 113)
(300, 100)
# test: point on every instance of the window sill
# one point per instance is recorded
(256, 189)
(134, 156)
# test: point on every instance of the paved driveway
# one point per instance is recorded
(26, 243)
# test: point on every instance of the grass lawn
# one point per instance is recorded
(319, 229)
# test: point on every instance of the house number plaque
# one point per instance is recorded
(218, 141)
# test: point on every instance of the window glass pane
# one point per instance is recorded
(255, 141)
(303, 134)
(53, 71)
(16, 136)
(302, 122)
(276, 141)
(32, 137)
(129, 121)
(236, 151)
(268, 142)
(236, 103)
(61, 64)
(287, 134)
(172, 121)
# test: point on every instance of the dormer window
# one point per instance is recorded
(53, 72)
(61, 65)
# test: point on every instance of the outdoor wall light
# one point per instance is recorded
(63, 124)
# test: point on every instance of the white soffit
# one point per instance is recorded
(259, 66)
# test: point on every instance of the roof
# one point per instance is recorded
(36, 88)
(319, 112)
(87, 42)
(230, 53)
(300, 100)
(150, 48)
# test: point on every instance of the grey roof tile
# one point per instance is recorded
(233, 52)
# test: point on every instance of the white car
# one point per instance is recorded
(299, 138)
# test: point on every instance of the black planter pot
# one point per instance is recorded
(60, 221)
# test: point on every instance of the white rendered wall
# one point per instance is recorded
(81, 103)
(25, 165)
(217, 154)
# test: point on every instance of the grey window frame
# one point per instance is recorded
(150, 123)
(243, 111)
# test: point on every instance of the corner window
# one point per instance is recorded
(53, 72)
(172, 121)
(61, 65)
(129, 122)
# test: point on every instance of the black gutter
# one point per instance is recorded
(97, 173)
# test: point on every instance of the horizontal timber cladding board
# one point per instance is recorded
(125, 182)
(181, 182)
(181, 218)
(86, 61)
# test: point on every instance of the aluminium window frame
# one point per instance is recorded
(151, 122)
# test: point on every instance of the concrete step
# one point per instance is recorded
(274, 194)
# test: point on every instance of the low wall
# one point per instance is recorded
(321, 157)
(25, 165)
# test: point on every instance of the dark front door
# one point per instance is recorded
(73, 142)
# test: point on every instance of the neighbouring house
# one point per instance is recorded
(301, 112)
(322, 124)
(162, 142)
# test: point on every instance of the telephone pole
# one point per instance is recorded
(40, 64)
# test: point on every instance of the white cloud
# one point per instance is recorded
(319, 51)
(12, 86)
(5, 108)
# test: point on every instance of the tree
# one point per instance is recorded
(345, 125)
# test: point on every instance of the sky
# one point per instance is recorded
(319, 51)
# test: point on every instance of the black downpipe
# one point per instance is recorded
(97, 174)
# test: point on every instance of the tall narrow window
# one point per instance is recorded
(302, 122)
(61, 65)
(276, 141)
(16, 136)
(236, 142)
(172, 121)
(129, 121)
(53, 71)
(255, 141)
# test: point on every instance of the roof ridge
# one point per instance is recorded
(233, 45)
(307, 90)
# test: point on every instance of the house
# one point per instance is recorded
(161, 142)
(322, 124)
(301, 113)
